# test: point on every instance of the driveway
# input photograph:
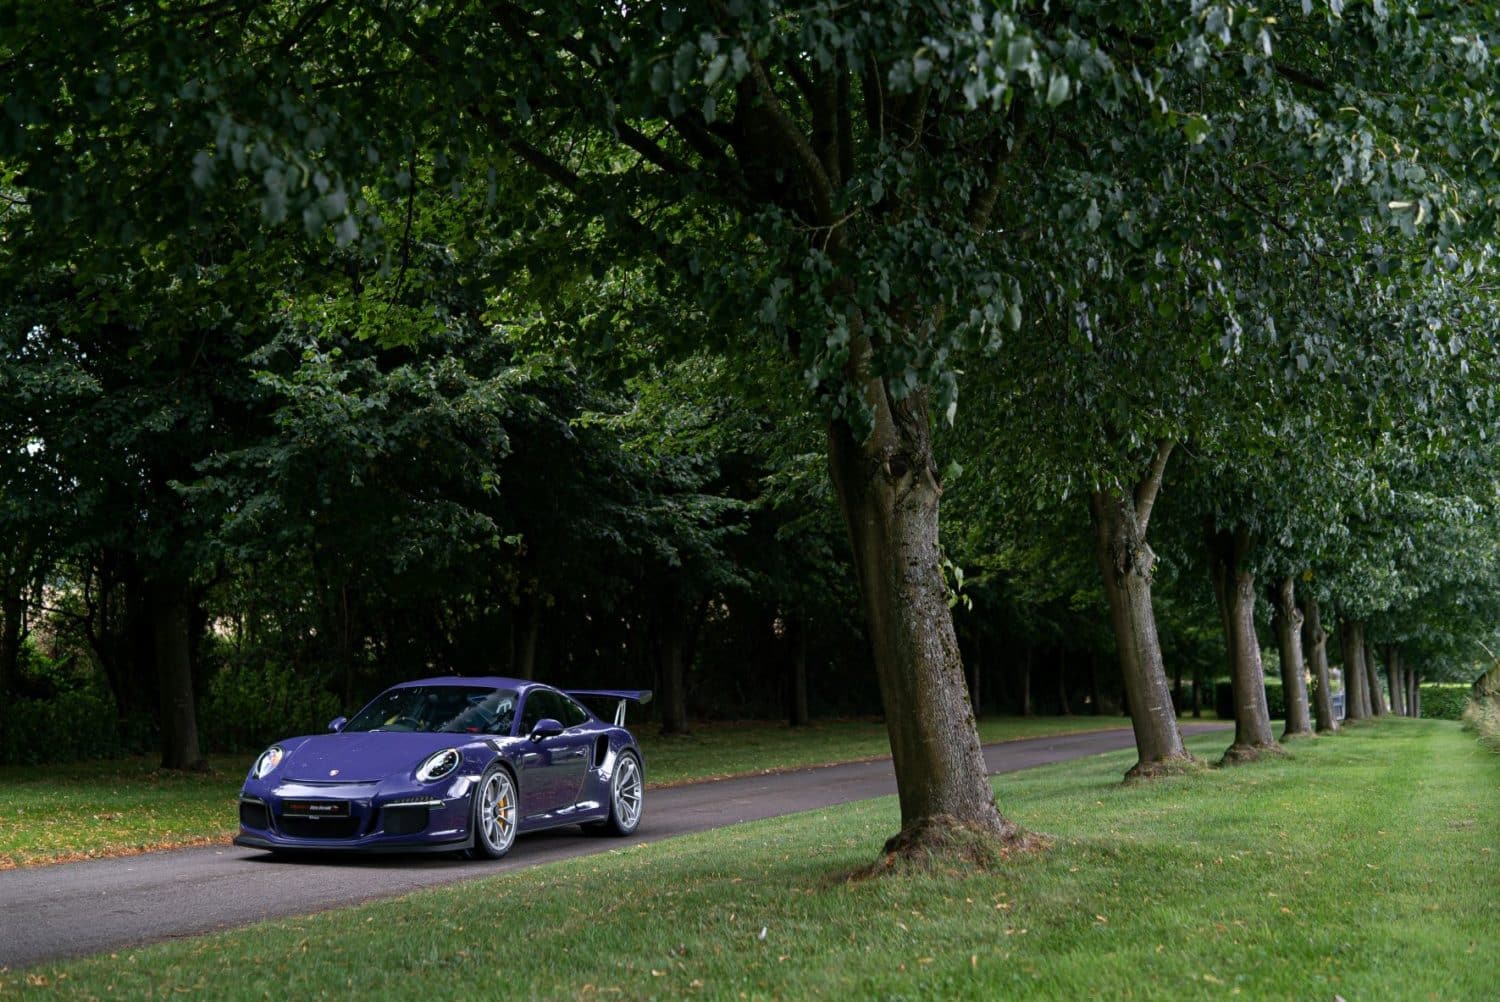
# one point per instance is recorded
(73, 909)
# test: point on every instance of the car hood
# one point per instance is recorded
(364, 756)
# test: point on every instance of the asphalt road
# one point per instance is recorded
(73, 909)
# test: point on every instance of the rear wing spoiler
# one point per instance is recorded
(622, 695)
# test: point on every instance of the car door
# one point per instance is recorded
(552, 768)
(571, 769)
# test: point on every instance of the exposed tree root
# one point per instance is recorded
(1176, 765)
(1245, 754)
(1297, 736)
(945, 844)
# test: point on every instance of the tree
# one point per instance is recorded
(847, 177)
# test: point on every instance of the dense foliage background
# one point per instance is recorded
(340, 347)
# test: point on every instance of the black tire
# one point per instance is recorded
(495, 811)
(627, 796)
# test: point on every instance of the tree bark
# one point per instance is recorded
(1372, 680)
(888, 493)
(1234, 587)
(1414, 682)
(170, 614)
(1288, 623)
(1356, 692)
(797, 709)
(1121, 520)
(1315, 639)
(1395, 678)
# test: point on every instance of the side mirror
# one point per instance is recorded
(337, 724)
(546, 728)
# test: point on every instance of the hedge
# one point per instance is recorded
(1444, 700)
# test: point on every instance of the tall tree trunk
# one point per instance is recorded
(1288, 623)
(888, 493)
(170, 614)
(1095, 696)
(1315, 639)
(671, 647)
(1026, 708)
(1414, 681)
(1062, 682)
(1197, 691)
(526, 628)
(1234, 586)
(13, 587)
(1393, 676)
(1356, 680)
(12, 615)
(797, 703)
(1121, 520)
(1372, 679)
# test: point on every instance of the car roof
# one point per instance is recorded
(495, 681)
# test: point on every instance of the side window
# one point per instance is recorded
(572, 714)
(537, 706)
(546, 703)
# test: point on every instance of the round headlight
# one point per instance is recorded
(268, 761)
(439, 765)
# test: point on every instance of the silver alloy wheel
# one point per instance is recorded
(497, 813)
(626, 793)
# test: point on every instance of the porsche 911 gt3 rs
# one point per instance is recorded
(450, 763)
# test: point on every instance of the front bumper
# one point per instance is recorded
(390, 817)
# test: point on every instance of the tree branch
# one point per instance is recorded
(1302, 78)
(817, 177)
(302, 27)
(984, 206)
(846, 122)
(1147, 489)
(648, 148)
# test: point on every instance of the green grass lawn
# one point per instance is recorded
(1361, 866)
(62, 812)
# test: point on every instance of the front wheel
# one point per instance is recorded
(494, 813)
(627, 794)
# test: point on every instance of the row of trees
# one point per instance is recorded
(392, 334)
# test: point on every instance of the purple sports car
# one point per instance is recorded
(447, 764)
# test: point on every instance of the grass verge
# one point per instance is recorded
(1361, 866)
(57, 813)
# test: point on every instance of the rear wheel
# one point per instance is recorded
(494, 813)
(627, 795)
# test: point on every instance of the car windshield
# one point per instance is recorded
(449, 709)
